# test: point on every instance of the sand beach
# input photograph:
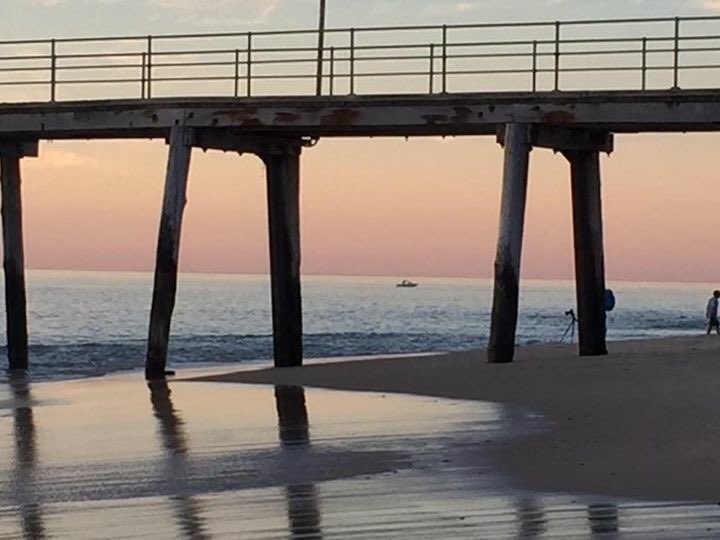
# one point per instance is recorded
(431, 446)
(642, 422)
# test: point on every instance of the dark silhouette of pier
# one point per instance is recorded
(567, 86)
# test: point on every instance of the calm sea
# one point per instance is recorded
(93, 323)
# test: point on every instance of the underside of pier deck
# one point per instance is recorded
(363, 116)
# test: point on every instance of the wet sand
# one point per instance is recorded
(116, 458)
(643, 422)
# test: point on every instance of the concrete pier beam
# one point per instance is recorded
(589, 256)
(282, 162)
(501, 347)
(168, 249)
(14, 254)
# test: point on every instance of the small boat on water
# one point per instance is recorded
(406, 283)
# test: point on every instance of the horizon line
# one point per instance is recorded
(388, 276)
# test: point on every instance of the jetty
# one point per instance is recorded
(567, 86)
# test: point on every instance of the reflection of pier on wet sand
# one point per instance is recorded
(640, 424)
(113, 458)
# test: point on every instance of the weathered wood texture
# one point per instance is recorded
(14, 262)
(282, 162)
(589, 258)
(501, 347)
(168, 248)
(362, 116)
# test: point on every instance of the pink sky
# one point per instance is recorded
(424, 207)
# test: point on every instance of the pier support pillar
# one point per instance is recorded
(168, 248)
(282, 162)
(501, 347)
(14, 254)
(589, 258)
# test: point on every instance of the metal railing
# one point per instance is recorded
(626, 54)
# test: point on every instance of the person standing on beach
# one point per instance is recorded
(712, 313)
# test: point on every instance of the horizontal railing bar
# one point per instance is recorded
(226, 51)
(468, 56)
(365, 75)
(26, 57)
(602, 68)
(232, 63)
(98, 81)
(288, 76)
(21, 69)
(23, 83)
(606, 52)
(549, 24)
(97, 66)
(699, 66)
(399, 28)
(378, 47)
(588, 52)
(121, 54)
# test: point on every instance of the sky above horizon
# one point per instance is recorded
(423, 207)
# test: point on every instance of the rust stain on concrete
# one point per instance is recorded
(461, 114)
(82, 116)
(558, 117)
(432, 119)
(286, 118)
(244, 116)
(340, 117)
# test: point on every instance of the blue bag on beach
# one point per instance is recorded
(609, 300)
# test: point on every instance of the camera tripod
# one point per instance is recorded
(571, 326)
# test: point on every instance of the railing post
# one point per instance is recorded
(53, 65)
(236, 79)
(332, 70)
(557, 55)
(444, 58)
(676, 54)
(149, 67)
(142, 76)
(248, 73)
(644, 63)
(321, 50)
(432, 68)
(534, 66)
(352, 61)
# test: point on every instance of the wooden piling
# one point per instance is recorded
(14, 262)
(282, 162)
(168, 248)
(501, 347)
(589, 258)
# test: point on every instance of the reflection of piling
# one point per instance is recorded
(292, 415)
(26, 460)
(603, 518)
(531, 518)
(187, 510)
(293, 427)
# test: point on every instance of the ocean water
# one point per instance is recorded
(93, 323)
